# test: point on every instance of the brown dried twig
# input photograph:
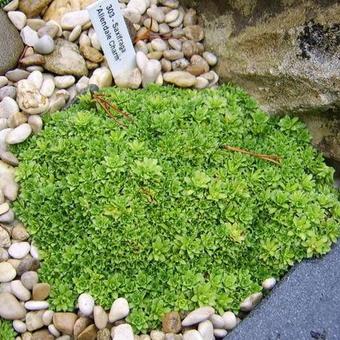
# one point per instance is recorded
(270, 158)
(102, 100)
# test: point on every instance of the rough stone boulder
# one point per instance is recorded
(11, 45)
(284, 53)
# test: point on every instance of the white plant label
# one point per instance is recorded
(112, 32)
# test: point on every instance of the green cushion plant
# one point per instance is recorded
(157, 211)
(6, 330)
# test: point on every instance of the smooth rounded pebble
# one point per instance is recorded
(229, 319)
(198, 315)
(19, 134)
(217, 321)
(7, 272)
(150, 72)
(122, 332)
(44, 45)
(192, 335)
(19, 326)
(36, 78)
(47, 317)
(20, 291)
(119, 310)
(10, 307)
(269, 283)
(63, 82)
(220, 333)
(100, 317)
(29, 279)
(210, 58)
(18, 19)
(206, 329)
(8, 106)
(19, 250)
(29, 36)
(36, 305)
(85, 304)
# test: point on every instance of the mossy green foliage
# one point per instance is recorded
(3, 3)
(6, 330)
(159, 213)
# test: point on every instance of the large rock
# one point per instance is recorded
(66, 59)
(284, 53)
(9, 37)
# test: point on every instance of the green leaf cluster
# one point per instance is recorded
(159, 213)
(6, 330)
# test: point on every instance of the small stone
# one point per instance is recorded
(159, 44)
(89, 333)
(53, 330)
(42, 334)
(64, 322)
(173, 55)
(132, 14)
(47, 317)
(8, 106)
(18, 19)
(166, 65)
(151, 25)
(190, 17)
(47, 86)
(32, 61)
(33, 8)
(20, 233)
(3, 256)
(7, 217)
(20, 291)
(178, 22)
(8, 91)
(210, 58)
(29, 279)
(256, 298)
(268, 284)
(5, 240)
(119, 310)
(217, 321)
(9, 158)
(155, 13)
(171, 323)
(91, 54)
(75, 34)
(130, 80)
(145, 337)
(206, 329)
(34, 320)
(7, 272)
(201, 83)
(103, 334)
(12, 6)
(198, 66)
(94, 39)
(36, 78)
(180, 78)
(122, 332)
(44, 45)
(229, 319)
(194, 32)
(28, 264)
(139, 5)
(84, 40)
(63, 82)
(189, 48)
(157, 335)
(51, 29)
(80, 325)
(19, 326)
(82, 84)
(220, 333)
(10, 308)
(169, 3)
(16, 75)
(66, 60)
(246, 305)
(36, 305)
(34, 252)
(150, 72)
(29, 36)
(41, 291)
(141, 60)
(176, 44)
(100, 317)
(198, 315)
(85, 304)
(3, 81)
(35, 23)
(101, 77)
(192, 335)
(172, 16)
(19, 134)
(71, 19)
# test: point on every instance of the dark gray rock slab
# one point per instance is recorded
(11, 45)
(305, 305)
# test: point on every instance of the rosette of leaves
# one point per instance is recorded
(156, 211)
(6, 330)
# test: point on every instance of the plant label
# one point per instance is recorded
(109, 24)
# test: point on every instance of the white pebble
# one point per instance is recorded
(63, 82)
(84, 40)
(18, 19)
(217, 321)
(101, 77)
(34, 252)
(7, 272)
(156, 13)
(210, 58)
(198, 315)
(36, 305)
(86, 304)
(47, 86)
(269, 283)
(19, 250)
(159, 44)
(172, 16)
(29, 36)
(12, 6)
(132, 14)
(122, 332)
(82, 84)
(45, 45)
(36, 78)
(141, 60)
(35, 122)
(192, 335)
(206, 329)
(71, 19)
(3, 81)
(47, 317)
(150, 72)
(139, 5)
(53, 330)
(19, 326)
(201, 83)
(19, 134)
(8, 106)
(20, 291)
(119, 310)
(220, 333)
(229, 319)
(29, 279)
(75, 33)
